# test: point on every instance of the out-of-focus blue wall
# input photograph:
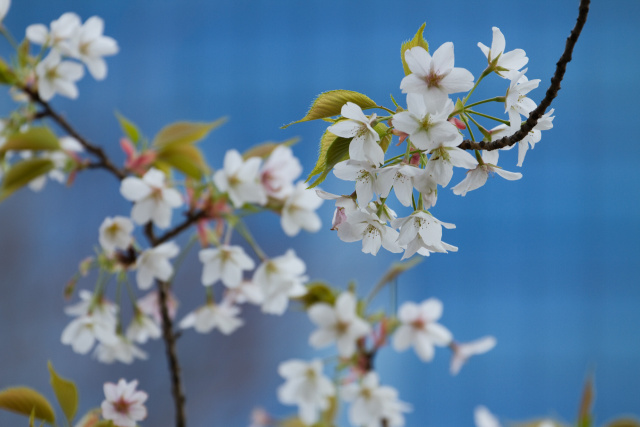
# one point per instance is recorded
(547, 264)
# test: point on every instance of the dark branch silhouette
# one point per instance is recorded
(552, 92)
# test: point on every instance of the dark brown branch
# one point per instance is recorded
(172, 357)
(103, 160)
(552, 92)
(191, 218)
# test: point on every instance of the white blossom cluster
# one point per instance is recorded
(274, 282)
(68, 38)
(432, 132)
(342, 324)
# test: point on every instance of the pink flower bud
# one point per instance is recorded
(457, 123)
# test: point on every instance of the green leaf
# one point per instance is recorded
(329, 104)
(417, 41)
(337, 152)
(264, 150)
(66, 393)
(624, 422)
(23, 53)
(185, 158)
(7, 76)
(183, 133)
(36, 138)
(23, 173)
(585, 419)
(25, 400)
(325, 142)
(129, 128)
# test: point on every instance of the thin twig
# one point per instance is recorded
(103, 160)
(552, 92)
(172, 357)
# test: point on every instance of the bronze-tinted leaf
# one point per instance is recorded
(25, 400)
(329, 104)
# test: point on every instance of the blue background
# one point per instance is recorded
(548, 264)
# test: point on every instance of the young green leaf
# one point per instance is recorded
(36, 138)
(22, 174)
(66, 393)
(336, 152)
(185, 158)
(417, 41)
(329, 104)
(25, 401)
(182, 133)
(264, 150)
(129, 128)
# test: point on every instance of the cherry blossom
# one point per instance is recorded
(368, 227)
(279, 279)
(419, 328)
(240, 179)
(427, 123)
(435, 77)
(339, 323)
(89, 45)
(115, 233)
(152, 199)
(279, 171)
(443, 159)
(58, 76)
(372, 403)
(306, 387)
(504, 64)
(154, 263)
(420, 231)
(344, 204)
(211, 316)
(477, 177)
(224, 263)
(298, 211)
(463, 351)
(516, 102)
(96, 320)
(532, 138)
(122, 350)
(62, 30)
(4, 8)
(400, 177)
(363, 173)
(364, 145)
(142, 328)
(124, 405)
(150, 305)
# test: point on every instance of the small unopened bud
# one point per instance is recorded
(457, 123)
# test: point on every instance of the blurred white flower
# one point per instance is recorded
(96, 320)
(279, 279)
(224, 263)
(152, 199)
(89, 45)
(142, 328)
(62, 30)
(484, 418)
(4, 8)
(279, 171)
(124, 405)
(150, 305)
(339, 323)
(419, 328)
(372, 403)
(154, 263)
(298, 211)
(210, 316)
(123, 350)
(463, 351)
(241, 179)
(115, 233)
(58, 76)
(306, 387)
